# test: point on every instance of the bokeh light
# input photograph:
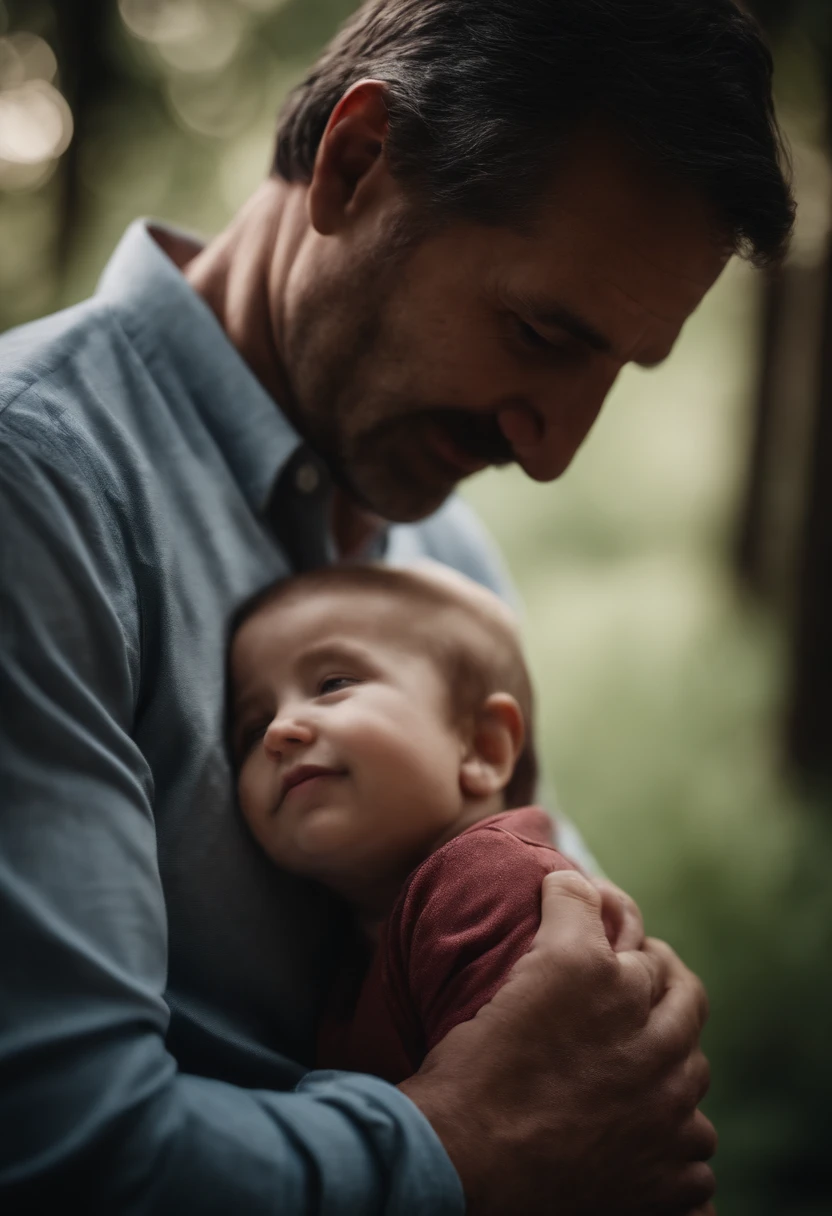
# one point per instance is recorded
(35, 56)
(36, 123)
(263, 6)
(217, 106)
(189, 35)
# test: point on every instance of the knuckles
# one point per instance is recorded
(698, 1185)
(703, 1140)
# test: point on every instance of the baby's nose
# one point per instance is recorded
(288, 731)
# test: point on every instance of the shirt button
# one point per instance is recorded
(307, 479)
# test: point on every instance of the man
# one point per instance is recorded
(480, 212)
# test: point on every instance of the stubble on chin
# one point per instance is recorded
(359, 398)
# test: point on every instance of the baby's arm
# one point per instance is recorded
(470, 913)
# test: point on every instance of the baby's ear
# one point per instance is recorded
(497, 741)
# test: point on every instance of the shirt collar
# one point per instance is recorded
(175, 333)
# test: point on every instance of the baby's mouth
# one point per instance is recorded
(302, 775)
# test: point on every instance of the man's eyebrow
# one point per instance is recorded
(547, 312)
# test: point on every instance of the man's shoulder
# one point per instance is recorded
(60, 380)
(35, 354)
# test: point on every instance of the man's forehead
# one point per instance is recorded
(603, 184)
(619, 247)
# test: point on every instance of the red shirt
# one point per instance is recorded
(461, 922)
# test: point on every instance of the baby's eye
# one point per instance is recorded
(335, 684)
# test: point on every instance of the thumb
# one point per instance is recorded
(571, 912)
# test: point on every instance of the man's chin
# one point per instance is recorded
(396, 502)
(402, 507)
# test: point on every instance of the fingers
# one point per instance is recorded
(572, 923)
(650, 969)
(699, 1071)
(682, 1009)
(622, 917)
(698, 1141)
(691, 1192)
(697, 1188)
(679, 995)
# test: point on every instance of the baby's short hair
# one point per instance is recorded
(467, 630)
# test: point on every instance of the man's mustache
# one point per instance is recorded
(478, 435)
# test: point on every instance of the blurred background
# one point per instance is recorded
(678, 581)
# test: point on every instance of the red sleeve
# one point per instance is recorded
(469, 914)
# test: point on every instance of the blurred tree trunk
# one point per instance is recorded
(82, 29)
(784, 422)
(751, 550)
(809, 723)
(782, 352)
(784, 541)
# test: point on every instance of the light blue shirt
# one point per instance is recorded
(160, 979)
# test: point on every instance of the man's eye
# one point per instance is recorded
(567, 348)
(531, 337)
(335, 684)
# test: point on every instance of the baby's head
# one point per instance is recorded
(375, 714)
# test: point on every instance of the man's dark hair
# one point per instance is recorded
(481, 93)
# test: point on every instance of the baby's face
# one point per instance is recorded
(348, 765)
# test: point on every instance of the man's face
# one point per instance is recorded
(412, 367)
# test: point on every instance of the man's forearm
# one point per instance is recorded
(342, 1145)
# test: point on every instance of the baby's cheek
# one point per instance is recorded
(330, 831)
(252, 793)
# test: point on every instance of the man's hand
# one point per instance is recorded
(575, 1090)
(621, 915)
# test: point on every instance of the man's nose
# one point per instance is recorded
(545, 434)
(287, 731)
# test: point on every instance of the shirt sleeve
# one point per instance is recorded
(92, 1106)
(470, 913)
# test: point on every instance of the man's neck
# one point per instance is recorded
(353, 528)
(242, 276)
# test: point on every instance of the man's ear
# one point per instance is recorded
(351, 146)
(497, 741)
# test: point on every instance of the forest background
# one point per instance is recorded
(661, 679)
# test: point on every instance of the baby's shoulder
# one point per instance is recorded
(493, 870)
(523, 837)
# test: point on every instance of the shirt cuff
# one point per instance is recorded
(420, 1176)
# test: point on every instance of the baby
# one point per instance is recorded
(381, 727)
